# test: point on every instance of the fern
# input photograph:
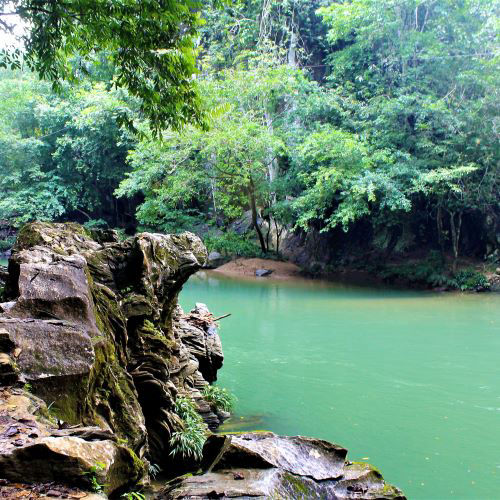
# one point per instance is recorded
(188, 442)
(218, 397)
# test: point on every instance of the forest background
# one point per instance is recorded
(365, 131)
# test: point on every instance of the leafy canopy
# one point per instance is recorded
(151, 45)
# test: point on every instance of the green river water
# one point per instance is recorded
(406, 380)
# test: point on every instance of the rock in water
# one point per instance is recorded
(260, 273)
(264, 465)
(92, 326)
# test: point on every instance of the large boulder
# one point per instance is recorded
(33, 449)
(264, 465)
(91, 325)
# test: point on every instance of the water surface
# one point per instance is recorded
(408, 381)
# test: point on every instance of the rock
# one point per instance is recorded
(244, 224)
(264, 465)
(72, 459)
(298, 455)
(97, 334)
(45, 491)
(9, 372)
(33, 450)
(260, 273)
(198, 333)
(215, 259)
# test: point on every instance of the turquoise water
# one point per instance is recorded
(408, 381)
(3, 262)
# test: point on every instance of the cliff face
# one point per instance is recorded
(92, 326)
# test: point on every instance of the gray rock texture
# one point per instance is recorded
(92, 326)
(263, 465)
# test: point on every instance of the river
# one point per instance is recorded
(406, 380)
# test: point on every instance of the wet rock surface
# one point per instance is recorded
(264, 465)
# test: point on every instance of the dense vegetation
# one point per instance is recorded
(368, 127)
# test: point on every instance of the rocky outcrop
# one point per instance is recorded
(34, 449)
(264, 465)
(91, 325)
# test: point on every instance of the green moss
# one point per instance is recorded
(138, 466)
(368, 467)
(28, 237)
(298, 488)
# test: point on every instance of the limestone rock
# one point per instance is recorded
(215, 259)
(33, 450)
(298, 455)
(264, 465)
(91, 324)
(71, 458)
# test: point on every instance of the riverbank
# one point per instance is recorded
(424, 274)
(247, 268)
(143, 401)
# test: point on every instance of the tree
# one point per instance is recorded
(150, 44)
(61, 157)
(227, 165)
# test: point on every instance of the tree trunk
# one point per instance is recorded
(278, 236)
(455, 235)
(253, 206)
(292, 50)
(440, 230)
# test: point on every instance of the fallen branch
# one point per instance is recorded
(222, 317)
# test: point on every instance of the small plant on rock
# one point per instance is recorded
(189, 440)
(219, 397)
(133, 495)
(96, 486)
(154, 470)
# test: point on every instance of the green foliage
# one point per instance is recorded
(218, 397)
(92, 476)
(133, 495)
(95, 224)
(150, 45)
(364, 115)
(7, 243)
(154, 470)
(189, 440)
(469, 280)
(60, 157)
(428, 272)
(232, 244)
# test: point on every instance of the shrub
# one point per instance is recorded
(95, 224)
(189, 440)
(429, 272)
(218, 397)
(469, 280)
(92, 475)
(7, 243)
(231, 243)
